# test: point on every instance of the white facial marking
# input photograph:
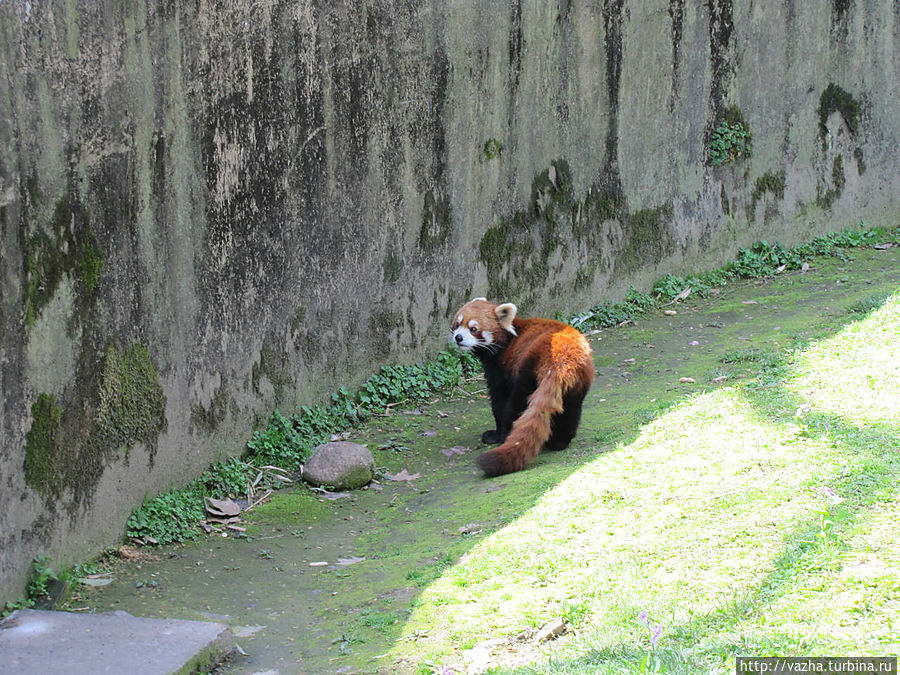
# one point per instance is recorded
(473, 325)
(488, 336)
(463, 339)
(459, 319)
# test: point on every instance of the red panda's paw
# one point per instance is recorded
(492, 437)
(556, 444)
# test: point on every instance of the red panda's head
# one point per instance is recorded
(480, 324)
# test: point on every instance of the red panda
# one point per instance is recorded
(538, 372)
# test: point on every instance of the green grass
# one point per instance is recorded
(755, 519)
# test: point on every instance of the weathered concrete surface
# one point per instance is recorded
(34, 641)
(210, 209)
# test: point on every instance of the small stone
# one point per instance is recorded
(340, 465)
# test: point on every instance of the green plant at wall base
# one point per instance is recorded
(41, 576)
(608, 313)
(38, 586)
(760, 260)
(729, 142)
(279, 443)
(287, 441)
(169, 517)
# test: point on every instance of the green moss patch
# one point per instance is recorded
(132, 403)
(771, 182)
(836, 99)
(491, 150)
(293, 507)
(42, 470)
(67, 247)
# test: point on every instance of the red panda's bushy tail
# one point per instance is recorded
(529, 432)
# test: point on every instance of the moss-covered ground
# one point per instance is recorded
(732, 490)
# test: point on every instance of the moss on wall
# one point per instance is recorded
(67, 247)
(272, 365)
(772, 182)
(492, 149)
(648, 237)
(42, 446)
(435, 229)
(132, 404)
(836, 99)
(516, 250)
(68, 446)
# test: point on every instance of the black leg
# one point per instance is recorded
(564, 425)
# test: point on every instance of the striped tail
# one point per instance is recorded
(529, 432)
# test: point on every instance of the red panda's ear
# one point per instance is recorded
(505, 315)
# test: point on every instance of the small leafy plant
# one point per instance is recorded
(731, 139)
(729, 142)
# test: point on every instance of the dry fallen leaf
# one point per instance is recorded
(95, 581)
(403, 475)
(884, 247)
(455, 450)
(683, 295)
(551, 630)
(325, 494)
(471, 528)
(670, 312)
(352, 560)
(687, 380)
(222, 507)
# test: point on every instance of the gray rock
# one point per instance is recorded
(340, 465)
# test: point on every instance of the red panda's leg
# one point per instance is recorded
(515, 406)
(564, 425)
(507, 404)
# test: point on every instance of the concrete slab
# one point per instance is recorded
(37, 642)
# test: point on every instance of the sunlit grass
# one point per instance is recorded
(756, 519)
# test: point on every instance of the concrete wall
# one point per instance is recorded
(213, 208)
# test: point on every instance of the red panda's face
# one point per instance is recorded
(480, 324)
